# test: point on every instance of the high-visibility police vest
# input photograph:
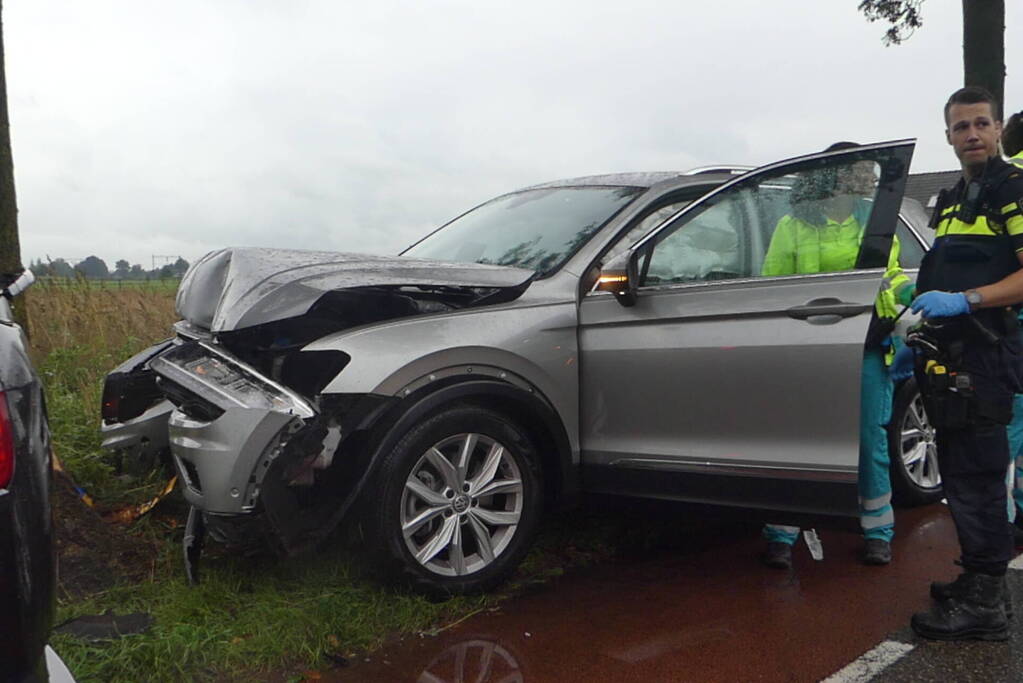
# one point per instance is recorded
(976, 242)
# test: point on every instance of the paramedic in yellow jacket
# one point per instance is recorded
(823, 234)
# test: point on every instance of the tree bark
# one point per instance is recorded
(10, 248)
(984, 46)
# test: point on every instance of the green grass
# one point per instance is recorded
(249, 617)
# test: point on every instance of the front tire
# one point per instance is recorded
(460, 501)
(914, 454)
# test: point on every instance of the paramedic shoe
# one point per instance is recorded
(977, 613)
(877, 551)
(952, 589)
(778, 555)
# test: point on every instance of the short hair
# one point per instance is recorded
(1012, 135)
(973, 94)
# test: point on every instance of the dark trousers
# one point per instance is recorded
(973, 461)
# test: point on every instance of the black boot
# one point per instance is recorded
(977, 613)
(946, 591)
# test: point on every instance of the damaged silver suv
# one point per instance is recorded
(611, 334)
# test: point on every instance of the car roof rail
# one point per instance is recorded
(731, 170)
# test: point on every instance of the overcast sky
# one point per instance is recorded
(145, 127)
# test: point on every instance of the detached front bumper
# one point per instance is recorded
(145, 436)
(229, 424)
(222, 463)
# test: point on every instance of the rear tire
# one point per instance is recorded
(459, 501)
(913, 451)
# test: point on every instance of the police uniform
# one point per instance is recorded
(979, 232)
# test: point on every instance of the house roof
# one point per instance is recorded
(924, 187)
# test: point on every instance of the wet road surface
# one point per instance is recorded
(712, 614)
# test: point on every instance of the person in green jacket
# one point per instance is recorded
(823, 234)
(1012, 145)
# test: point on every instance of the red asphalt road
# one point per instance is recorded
(713, 615)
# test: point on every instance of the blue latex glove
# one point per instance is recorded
(940, 304)
(902, 365)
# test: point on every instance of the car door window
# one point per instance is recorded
(707, 248)
(645, 225)
(803, 219)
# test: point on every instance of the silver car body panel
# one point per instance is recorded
(532, 340)
(723, 358)
(226, 457)
(236, 288)
(148, 431)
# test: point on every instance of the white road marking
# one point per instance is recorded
(1017, 563)
(871, 663)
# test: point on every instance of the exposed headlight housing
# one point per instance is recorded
(227, 382)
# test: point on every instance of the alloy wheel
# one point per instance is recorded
(461, 504)
(918, 447)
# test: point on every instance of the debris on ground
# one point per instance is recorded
(106, 626)
(93, 555)
(129, 514)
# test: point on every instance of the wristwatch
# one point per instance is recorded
(973, 298)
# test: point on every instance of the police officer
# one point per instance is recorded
(973, 270)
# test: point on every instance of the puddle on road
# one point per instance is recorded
(716, 614)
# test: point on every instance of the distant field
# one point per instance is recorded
(170, 284)
(78, 331)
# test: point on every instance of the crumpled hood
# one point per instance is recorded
(235, 288)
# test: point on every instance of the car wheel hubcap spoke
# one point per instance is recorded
(482, 535)
(496, 518)
(448, 472)
(428, 495)
(489, 470)
(915, 454)
(501, 486)
(416, 523)
(461, 504)
(439, 542)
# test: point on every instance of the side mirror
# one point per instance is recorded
(620, 277)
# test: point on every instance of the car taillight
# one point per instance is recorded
(6, 443)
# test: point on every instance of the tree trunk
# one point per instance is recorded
(984, 46)
(10, 249)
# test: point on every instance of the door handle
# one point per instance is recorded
(827, 306)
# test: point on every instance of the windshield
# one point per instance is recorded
(534, 229)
